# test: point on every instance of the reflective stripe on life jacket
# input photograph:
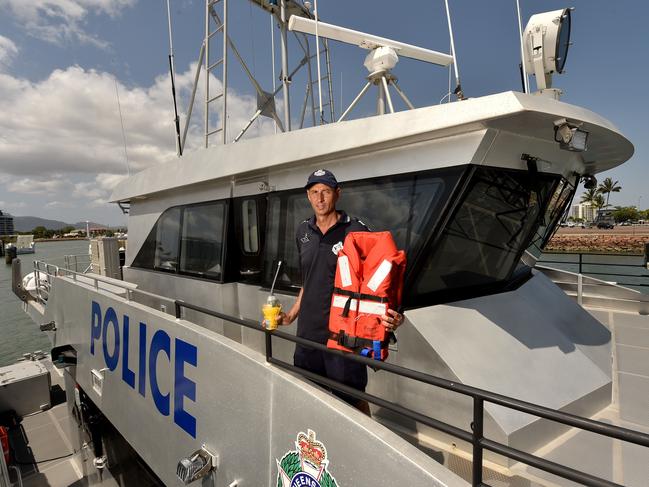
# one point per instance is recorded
(369, 281)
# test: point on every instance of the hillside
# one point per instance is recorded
(28, 223)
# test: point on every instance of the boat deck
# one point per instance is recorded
(42, 443)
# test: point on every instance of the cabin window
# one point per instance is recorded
(201, 244)
(249, 227)
(559, 202)
(187, 240)
(166, 241)
(286, 211)
(489, 229)
(408, 205)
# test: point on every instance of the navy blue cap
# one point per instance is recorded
(322, 176)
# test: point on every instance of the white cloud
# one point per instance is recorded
(69, 123)
(14, 205)
(58, 204)
(61, 137)
(57, 21)
(35, 186)
(7, 51)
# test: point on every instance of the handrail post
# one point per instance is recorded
(269, 345)
(178, 308)
(580, 261)
(477, 427)
(580, 288)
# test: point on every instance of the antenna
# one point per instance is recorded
(458, 89)
(179, 148)
(382, 58)
(121, 121)
(526, 81)
(367, 41)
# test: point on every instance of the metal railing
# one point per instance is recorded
(72, 262)
(581, 263)
(43, 286)
(475, 434)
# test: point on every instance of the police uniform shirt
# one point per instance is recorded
(318, 257)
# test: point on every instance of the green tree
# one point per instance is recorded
(625, 213)
(598, 202)
(40, 232)
(588, 196)
(607, 187)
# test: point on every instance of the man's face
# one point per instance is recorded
(323, 198)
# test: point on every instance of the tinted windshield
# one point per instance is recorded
(493, 222)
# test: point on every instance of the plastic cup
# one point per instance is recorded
(271, 311)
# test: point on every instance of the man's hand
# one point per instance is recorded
(392, 320)
(286, 318)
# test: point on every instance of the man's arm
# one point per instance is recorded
(288, 318)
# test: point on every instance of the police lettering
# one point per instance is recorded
(150, 353)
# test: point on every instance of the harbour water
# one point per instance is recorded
(18, 333)
(624, 270)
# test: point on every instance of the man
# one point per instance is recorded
(318, 240)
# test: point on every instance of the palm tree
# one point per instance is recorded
(598, 202)
(589, 196)
(607, 187)
(593, 198)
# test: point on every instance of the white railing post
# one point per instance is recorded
(580, 288)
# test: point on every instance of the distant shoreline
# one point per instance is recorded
(61, 239)
(622, 240)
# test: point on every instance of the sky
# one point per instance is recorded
(68, 68)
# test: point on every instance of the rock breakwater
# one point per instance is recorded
(615, 244)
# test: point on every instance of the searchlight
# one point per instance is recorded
(546, 43)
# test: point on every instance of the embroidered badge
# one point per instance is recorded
(337, 248)
(319, 172)
(305, 466)
(305, 239)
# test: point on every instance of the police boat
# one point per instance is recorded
(501, 374)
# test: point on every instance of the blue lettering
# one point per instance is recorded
(128, 375)
(184, 387)
(159, 343)
(184, 353)
(95, 325)
(141, 380)
(111, 359)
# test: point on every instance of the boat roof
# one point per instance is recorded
(525, 115)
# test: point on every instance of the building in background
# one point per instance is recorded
(6, 224)
(584, 211)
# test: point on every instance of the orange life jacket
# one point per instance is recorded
(4, 443)
(369, 281)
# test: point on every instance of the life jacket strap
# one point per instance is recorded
(359, 296)
(355, 343)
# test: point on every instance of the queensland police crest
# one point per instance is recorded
(306, 466)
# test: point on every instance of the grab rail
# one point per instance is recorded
(479, 396)
(581, 263)
(476, 434)
(75, 260)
